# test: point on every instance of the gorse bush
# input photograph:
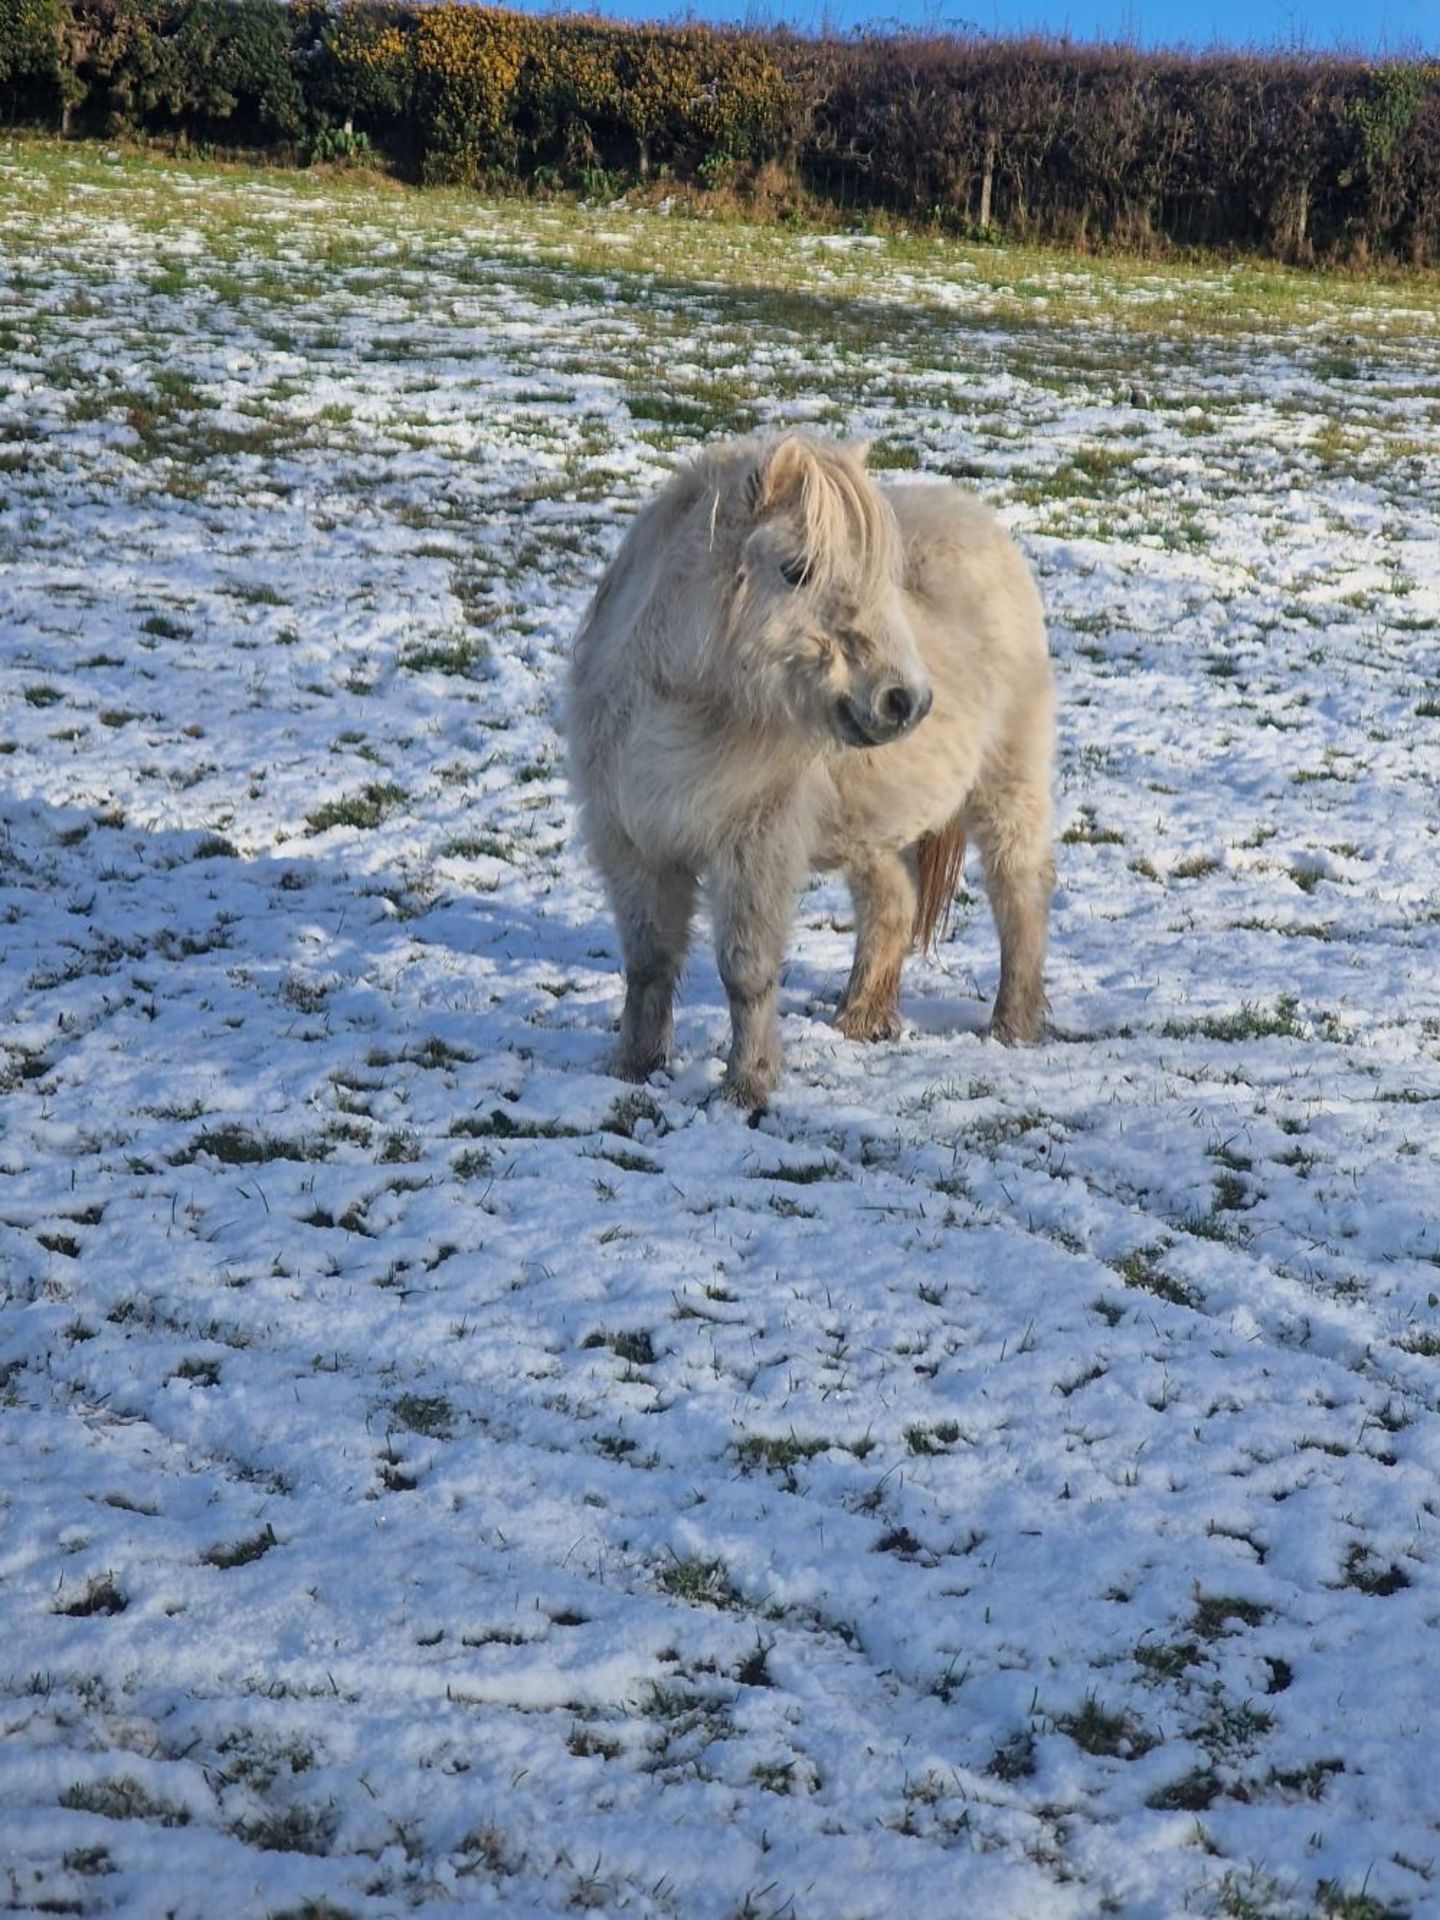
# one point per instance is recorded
(483, 92)
(1300, 156)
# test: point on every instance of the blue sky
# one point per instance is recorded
(1395, 26)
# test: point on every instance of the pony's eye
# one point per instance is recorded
(796, 573)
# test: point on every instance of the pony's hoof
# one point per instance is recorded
(750, 1089)
(637, 1067)
(1013, 1031)
(869, 1022)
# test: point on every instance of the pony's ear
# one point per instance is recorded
(780, 473)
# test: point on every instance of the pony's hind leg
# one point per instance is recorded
(1012, 828)
(882, 885)
(653, 909)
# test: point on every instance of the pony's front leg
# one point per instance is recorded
(652, 908)
(752, 898)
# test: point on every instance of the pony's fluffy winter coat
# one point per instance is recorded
(787, 666)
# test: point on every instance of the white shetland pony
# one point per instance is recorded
(785, 667)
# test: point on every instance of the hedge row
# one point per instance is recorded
(1300, 156)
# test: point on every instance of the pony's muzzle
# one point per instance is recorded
(901, 707)
(891, 711)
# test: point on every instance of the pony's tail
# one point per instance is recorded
(938, 860)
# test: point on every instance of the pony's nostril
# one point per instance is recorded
(896, 704)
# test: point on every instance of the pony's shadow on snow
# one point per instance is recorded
(944, 1017)
(269, 982)
(238, 971)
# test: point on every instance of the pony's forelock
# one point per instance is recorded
(847, 527)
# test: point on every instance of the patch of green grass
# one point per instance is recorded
(1230, 1728)
(1015, 1760)
(400, 1148)
(699, 1583)
(777, 1454)
(122, 1798)
(901, 1542)
(691, 415)
(481, 846)
(308, 1830)
(998, 1128)
(774, 1776)
(801, 1176)
(458, 656)
(499, 1125)
(395, 1476)
(1362, 1573)
(321, 1909)
(894, 456)
(1311, 1780)
(237, 1146)
(1250, 1023)
(1143, 1269)
(586, 1744)
(1193, 1793)
(939, 1438)
(1231, 1193)
(1088, 832)
(1094, 473)
(630, 1110)
(636, 1348)
(101, 1596)
(88, 1860)
(627, 1161)
(1166, 1659)
(240, 1553)
(1112, 1735)
(1214, 1612)
(375, 802)
(199, 1371)
(1333, 1903)
(161, 627)
(1252, 1895)
(435, 1054)
(430, 1414)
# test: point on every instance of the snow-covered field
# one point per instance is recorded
(440, 1477)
